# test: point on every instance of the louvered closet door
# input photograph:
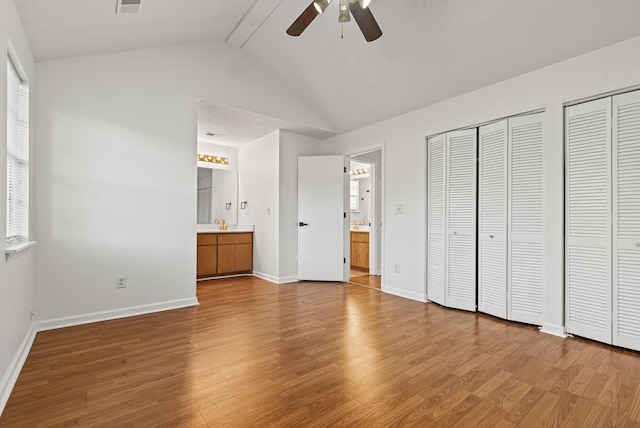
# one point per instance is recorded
(492, 219)
(436, 154)
(588, 228)
(460, 291)
(626, 220)
(526, 220)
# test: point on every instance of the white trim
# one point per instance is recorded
(114, 314)
(13, 250)
(275, 279)
(406, 294)
(554, 330)
(12, 373)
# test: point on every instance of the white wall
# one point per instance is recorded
(291, 147)
(608, 69)
(258, 186)
(16, 275)
(117, 173)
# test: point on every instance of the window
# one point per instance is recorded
(17, 157)
(354, 196)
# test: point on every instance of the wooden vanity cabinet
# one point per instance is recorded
(207, 255)
(224, 254)
(360, 250)
(235, 253)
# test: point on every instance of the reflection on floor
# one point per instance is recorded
(363, 278)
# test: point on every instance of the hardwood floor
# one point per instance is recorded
(318, 355)
(366, 280)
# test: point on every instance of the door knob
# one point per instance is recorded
(303, 224)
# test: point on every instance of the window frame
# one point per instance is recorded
(17, 166)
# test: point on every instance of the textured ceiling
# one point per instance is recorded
(431, 50)
(233, 126)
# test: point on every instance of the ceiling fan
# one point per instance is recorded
(358, 8)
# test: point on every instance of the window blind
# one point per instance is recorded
(17, 157)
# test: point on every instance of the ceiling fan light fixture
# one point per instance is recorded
(364, 3)
(321, 5)
(344, 16)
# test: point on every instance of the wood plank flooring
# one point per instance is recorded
(319, 355)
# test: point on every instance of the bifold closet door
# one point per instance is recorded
(588, 199)
(525, 267)
(436, 158)
(460, 217)
(492, 220)
(451, 219)
(626, 220)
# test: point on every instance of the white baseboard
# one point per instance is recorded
(275, 279)
(11, 376)
(555, 330)
(420, 297)
(114, 314)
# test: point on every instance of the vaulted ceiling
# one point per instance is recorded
(431, 50)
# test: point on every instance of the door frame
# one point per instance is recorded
(378, 195)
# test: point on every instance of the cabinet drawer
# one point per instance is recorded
(207, 239)
(235, 238)
(359, 236)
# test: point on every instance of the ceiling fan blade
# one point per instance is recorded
(303, 21)
(366, 22)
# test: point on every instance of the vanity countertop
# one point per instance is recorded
(233, 228)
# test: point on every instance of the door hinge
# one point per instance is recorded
(344, 261)
(345, 169)
(345, 215)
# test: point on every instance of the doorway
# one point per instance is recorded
(365, 204)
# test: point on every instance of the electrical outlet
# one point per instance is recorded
(396, 268)
(121, 282)
(268, 210)
(33, 313)
(398, 209)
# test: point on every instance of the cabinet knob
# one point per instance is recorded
(491, 236)
(455, 233)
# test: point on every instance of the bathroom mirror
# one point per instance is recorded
(217, 196)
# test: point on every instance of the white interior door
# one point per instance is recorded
(526, 220)
(461, 197)
(588, 284)
(323, 226)
(626, 220)
(492, 245)
(436, 152)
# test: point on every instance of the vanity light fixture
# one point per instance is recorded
(359, 171)
(213, 159)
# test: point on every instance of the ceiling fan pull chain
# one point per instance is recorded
(342, 30)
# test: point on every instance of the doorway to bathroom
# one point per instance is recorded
(365, 204)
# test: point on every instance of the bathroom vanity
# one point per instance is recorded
(228, 252)
(360, 250)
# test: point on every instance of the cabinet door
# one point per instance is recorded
(436, 219)
(588, 284)
(526, 220)
(244, 257)
(492, 217)
(227, 258)
(626, 220)
(207, 260)
(461, 196)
